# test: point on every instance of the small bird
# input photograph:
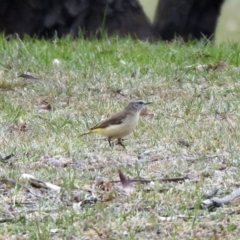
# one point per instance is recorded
(121, 123)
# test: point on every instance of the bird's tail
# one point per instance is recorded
(95, 130)
(85, 133)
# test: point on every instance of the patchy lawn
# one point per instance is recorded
(185, 145)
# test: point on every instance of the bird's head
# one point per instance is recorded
(136, 105)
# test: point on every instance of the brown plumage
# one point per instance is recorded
(121, 123)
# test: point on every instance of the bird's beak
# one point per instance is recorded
(148, 103)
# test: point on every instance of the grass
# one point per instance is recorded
(194, 97)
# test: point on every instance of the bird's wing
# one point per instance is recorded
(115, 119)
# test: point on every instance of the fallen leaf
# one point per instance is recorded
(28, 76)
(217, 66)
(104, 184)
(126, 182)
(184, 142)
(4, 159)
(21, 126)
(39, 183)
(44, 104)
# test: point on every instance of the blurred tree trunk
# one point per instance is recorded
(188, 19)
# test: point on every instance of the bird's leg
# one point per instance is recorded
(120, 142)
(109, 141)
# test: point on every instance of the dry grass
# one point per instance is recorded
(196, 103)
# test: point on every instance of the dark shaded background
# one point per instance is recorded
(188, 19)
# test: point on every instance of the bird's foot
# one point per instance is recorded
(110, 142)
(119, 142)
